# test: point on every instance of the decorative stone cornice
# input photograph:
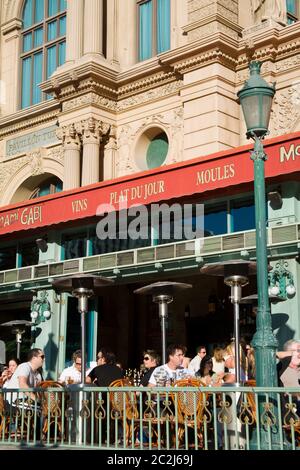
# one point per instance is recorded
(30, 117)
(12, 25)
(145, 83)
(89, 99)
(150, 95)
(103, 86)
(213, 55)
(269, 44)
(67, 82)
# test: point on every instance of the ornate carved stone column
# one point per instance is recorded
(110, 151)
(112, 32)
(92, 131)
(93, 27)
(74, 30)
(71, 145)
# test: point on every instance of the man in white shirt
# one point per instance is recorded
(194, 365)
(72, 374)
(168, 373)
(26, 375)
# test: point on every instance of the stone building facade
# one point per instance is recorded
(83, 101)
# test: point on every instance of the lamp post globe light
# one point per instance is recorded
(256, 100)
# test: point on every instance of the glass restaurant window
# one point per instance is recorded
(43, 46)
(74, 246)
(215, 219)
(29, 254)
(153, 27)
(242, 215)
(8, 257)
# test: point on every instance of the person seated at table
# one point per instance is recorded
(151, 360)
(229, 358)
(26, 375)
(8, 372)
(106, 370)
(206, 374)
(194, 364)
(173, 370)
(72, 374)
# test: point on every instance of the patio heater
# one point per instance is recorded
(81, 286)
(162, 294)
(236, 275)
(253, 298)
(18, 329)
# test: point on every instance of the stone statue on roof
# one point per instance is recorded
(269, 9)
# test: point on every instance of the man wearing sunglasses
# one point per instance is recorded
(27, 375)
(173, 370)
(72, 374)
(151, 360)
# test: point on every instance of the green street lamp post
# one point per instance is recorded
(256, 100)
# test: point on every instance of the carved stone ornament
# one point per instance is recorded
(91, 130)
(56, 153)
(171, 122)
(69, 136)
(124, 160)
(111, 143)
(286, 110)
(89, 99)
(35, 160)
(9, 169)
(150, 95)
(263, 10)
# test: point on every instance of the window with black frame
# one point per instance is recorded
(293, 11)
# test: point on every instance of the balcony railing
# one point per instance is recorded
(139, 418)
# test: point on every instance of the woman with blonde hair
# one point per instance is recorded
(229, 358)
(218, 361)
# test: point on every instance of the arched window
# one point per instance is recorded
(43, 46)
(50, 186)
(153, 27)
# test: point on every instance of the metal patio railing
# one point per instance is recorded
(140, 418)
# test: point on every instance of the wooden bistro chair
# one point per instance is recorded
(124, 408)
(51, 406)
(192, 411)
